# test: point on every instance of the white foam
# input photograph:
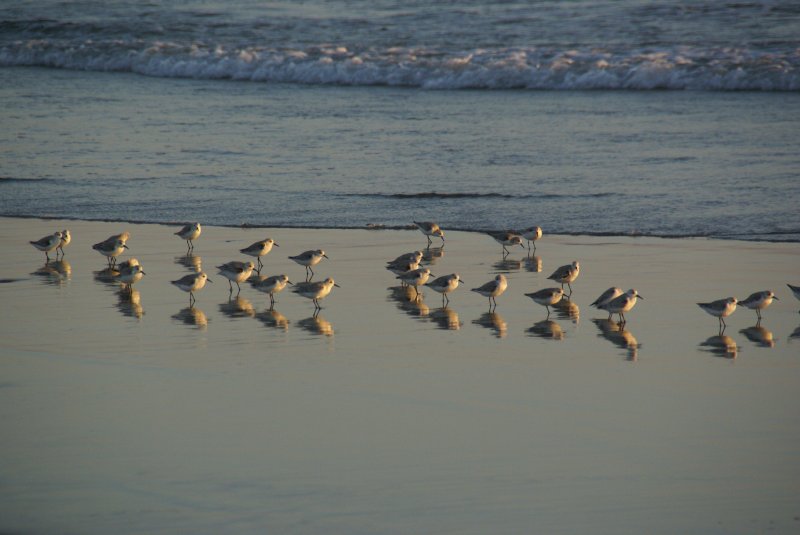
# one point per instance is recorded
(719, 69)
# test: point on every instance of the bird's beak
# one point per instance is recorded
(125, 246)
(290, 282)
(640, 296)
(775, 297)
(275, 244)
(143, 273)
(336, 285)
(209, 280)
(326, 256)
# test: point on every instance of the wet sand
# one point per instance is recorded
(385, 416)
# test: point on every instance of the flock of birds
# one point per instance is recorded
(406, 268)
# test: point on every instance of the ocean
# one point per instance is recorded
(604, 118)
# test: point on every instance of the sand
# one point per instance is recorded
(383, 416)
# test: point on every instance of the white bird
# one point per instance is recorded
(444, 285)
(271, 285)
(428, 228)
(721, 308)
(315, 290)
(493, 289)
(547, 297)
(566, 275)
(531, 234)
(130, 275)
(415, 278)
(309, 259)
(607, 296)
(621, 304)
(237, 272)
(190, 232)
(66, 238)
(259, 249)
(48, 243)
(192, 283)
(758, 301)
(507, 238)
(111, 249)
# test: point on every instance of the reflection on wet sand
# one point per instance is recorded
(238, 307)
(107, 276)
(192, 316)
(533, 264)
(547, 329)
(493, 321)
(720, 345)
(795, 333)
(404, 296)
(446, 318)
(617, 335)
(56, 272)
(317, 325)
(130, 303)
(273, 318)
(190, 262)
(507, 265)
(567, 310)
(760, 336)
(431, 255)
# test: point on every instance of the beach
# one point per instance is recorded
(380, 415)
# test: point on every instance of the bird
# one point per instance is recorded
(566, 274)
(192, 283)
(607, 296)
(493, 289)
(66, 238)
(621, 304)
(758, 301)
(259, 249)
(398, 268)
(547, 297)
(48, 243)
(111, 249)
(795, 290)
(416, 278)
(190, 232)
(507, 238)
(414, 256)
(429, 229)
(531, 234)
(130, 275)
(309, 259)
(444, 285)
(271, 285)
(237, 272)
(315, 290)
(721, 308)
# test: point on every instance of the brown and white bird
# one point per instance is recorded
(315, 290)
(309, 259)
(721, 308)
(429, 228)
(48, 243)
(758, 301)
(493, 289)
(531, 234)
(271, 286)
(66, 238)
(547, 297)
(190, 232)
(566, 275)
(621, 304)
(192, 283)
(237, 272)
(607, 296)
(445, 285)
(259, 249)
(507, 238)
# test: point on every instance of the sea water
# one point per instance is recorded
(621, 118)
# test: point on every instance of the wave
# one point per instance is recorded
(546, 68)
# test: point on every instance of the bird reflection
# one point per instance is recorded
(404, 296)
(493, 321)
(432, 254)
(273, 318)
(107, 276)
(316, 324)
(56, 272)
(190, 262)
(238, 307)
(617, 334)
(533, 264)
(446, 318)
(192, 316)
(567, 310)
(721, 345)
(130, 303)
(507, 265)
(546, 329)
(795, 333)
(760, 336)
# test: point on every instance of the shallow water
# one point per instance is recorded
(126, 147)
(382, 416)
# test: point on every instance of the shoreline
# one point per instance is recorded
(381, 227)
